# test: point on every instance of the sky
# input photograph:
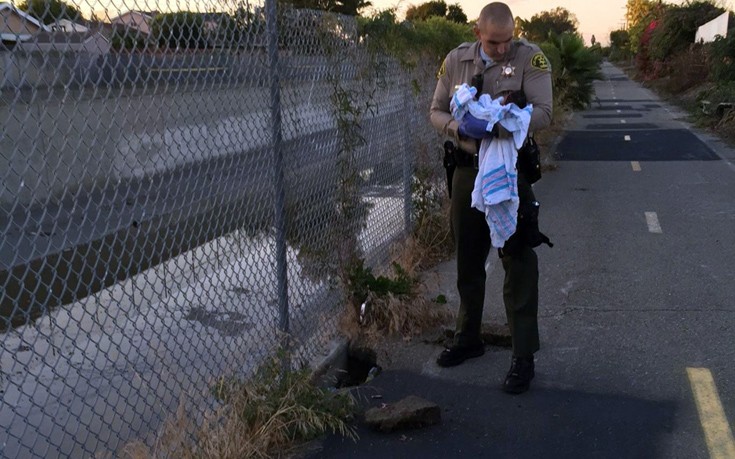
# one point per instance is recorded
(596, 17)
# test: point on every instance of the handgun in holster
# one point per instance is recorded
(527, 232)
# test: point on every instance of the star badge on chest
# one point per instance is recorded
(508, 70)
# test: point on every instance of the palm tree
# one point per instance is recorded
(580, 67)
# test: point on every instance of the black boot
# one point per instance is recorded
(454, 355)
(519, 376)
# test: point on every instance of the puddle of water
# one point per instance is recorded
(118, 362)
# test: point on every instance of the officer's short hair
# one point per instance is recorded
(498, 13)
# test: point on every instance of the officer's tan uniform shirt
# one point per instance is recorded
(524, 67)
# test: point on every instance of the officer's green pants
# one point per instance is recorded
(520, 289)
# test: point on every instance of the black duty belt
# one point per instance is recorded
(464, 159)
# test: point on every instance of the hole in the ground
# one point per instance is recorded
(362, 365)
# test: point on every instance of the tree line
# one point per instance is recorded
(428, 31)
(657, 35)
(429, 37)
(658, 43)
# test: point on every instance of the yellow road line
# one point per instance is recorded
(717, 431)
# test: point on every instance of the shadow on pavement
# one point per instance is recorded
(484, 422)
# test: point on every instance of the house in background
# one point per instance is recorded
(65, 25)
(135, 20)
(22, 31)
(217, 29)
(16, 25)
(212, 22)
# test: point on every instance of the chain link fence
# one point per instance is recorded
(178, 191)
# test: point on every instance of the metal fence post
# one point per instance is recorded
(278, 178)
(408, 108)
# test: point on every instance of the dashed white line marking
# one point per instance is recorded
(617, 103)
(627, 138)
(636, 166)
(652, 221)
(619, 111)
(622, 121)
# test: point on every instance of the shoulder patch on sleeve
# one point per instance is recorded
(442, 69)
(539, 61)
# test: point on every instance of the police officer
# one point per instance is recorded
(506, 66)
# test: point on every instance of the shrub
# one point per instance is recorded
(723, 92)
(677, 28)
(411, 42)
(722, 58)
(642, 57)
(440, 35)
(388, 305)
(127, 40)
(686, 69)
(619, 45)
(722, 121)
(178, 30)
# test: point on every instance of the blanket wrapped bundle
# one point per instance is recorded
(496, 185)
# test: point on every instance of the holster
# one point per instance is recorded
(450, 164)
(527, 232)
(529, 161)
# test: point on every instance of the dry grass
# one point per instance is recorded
(173, 440)
(431, 242)
(547, 138)
(726, 126)
(391, 315)
(407, 314)
(268, 416)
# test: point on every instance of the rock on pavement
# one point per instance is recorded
(407, 413)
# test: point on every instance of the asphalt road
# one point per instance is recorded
(637, 307)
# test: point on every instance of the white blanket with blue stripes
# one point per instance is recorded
(496, 185)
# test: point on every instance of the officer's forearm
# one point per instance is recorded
(447, 125)
(444, 123)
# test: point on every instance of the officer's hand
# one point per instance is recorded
(472, 127)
